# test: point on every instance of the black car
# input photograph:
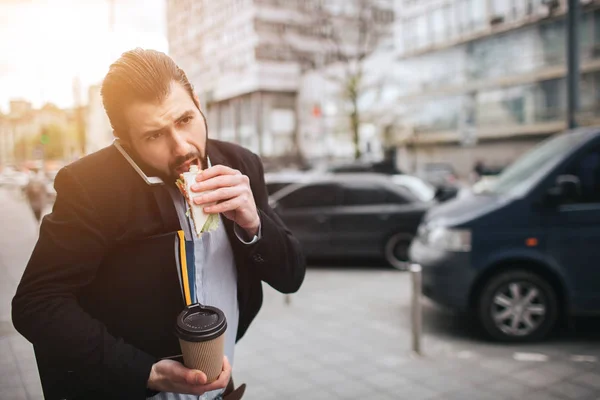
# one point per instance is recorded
(352, 215)
(275, 181)
(443, 177)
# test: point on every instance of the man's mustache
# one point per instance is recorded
(183, 159)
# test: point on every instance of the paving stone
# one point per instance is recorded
(589, 379)
(12, 393)
(542, 395)
(386, 380)
(351, 389)
(415, 391)
(503, 366)
(10, 377)
(507, 387)
(535, 378)
(472, 393)
(570, 390)
(320, 394)
(562, 369)
(283, 356)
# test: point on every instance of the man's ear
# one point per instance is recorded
(122, 140)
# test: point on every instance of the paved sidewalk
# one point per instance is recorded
(19, 378)
(345, 335)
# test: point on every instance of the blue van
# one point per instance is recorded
(525, 251)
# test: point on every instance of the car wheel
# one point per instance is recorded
(517, 306)
(396, 251)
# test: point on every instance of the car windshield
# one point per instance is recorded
(524, 168)
(422, 190)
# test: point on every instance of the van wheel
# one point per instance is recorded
(396, 251)
(517, 306)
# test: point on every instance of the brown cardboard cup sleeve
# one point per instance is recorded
(201, 332)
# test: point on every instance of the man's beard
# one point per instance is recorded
(173, 174)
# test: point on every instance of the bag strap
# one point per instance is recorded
(186, 268)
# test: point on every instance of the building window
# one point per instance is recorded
(586, 35)
(410, 34)
(552, 102)
(500, 9)
(422, 32)
(588, 91)
(553, 42)
(463, 17)
(450, 19)
(478, 13)
(439, 25)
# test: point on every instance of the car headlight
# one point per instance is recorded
(449, 239)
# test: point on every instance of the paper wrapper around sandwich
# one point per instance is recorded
(205, 356)
(202, 222)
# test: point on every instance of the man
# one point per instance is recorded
(100, 295)
(36, 193)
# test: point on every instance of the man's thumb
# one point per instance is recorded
(195, 377)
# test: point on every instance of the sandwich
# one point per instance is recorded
(202, 221)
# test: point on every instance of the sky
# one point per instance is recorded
(46, 45)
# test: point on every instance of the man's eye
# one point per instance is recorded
(154, 136)
(186, 120)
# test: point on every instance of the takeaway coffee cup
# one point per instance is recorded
(201, 333)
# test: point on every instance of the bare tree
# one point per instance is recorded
(340, 34)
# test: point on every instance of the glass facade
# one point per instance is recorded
(512, 79)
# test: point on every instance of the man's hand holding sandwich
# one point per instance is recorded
(231, 192)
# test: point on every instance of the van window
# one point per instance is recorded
(587, 169)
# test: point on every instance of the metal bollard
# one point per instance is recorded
(416, 317)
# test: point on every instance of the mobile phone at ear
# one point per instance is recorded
(150, 180)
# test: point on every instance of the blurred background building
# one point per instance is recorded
(28, 135)
(453, 81)
(99, 133)
(486, 78)
(301, 82)
(246, 59)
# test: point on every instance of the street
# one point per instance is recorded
(345, 335)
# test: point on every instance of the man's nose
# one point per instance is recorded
(179, 144)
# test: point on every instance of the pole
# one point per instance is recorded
(573, 18)
(416, 318)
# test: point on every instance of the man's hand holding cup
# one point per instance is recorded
(173, 377)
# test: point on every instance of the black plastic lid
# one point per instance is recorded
(198, 323)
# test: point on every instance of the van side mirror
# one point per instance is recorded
(567, 188)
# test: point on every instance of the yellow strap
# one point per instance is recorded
(184, 271)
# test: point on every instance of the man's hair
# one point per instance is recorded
(139, 75)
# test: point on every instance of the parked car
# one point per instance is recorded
(383, 167)
(276, 181)
(443, 177)
(13, 178)
(349, 215)
(418, 187)
(439, 174)
(483, 185)
(523, 252)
